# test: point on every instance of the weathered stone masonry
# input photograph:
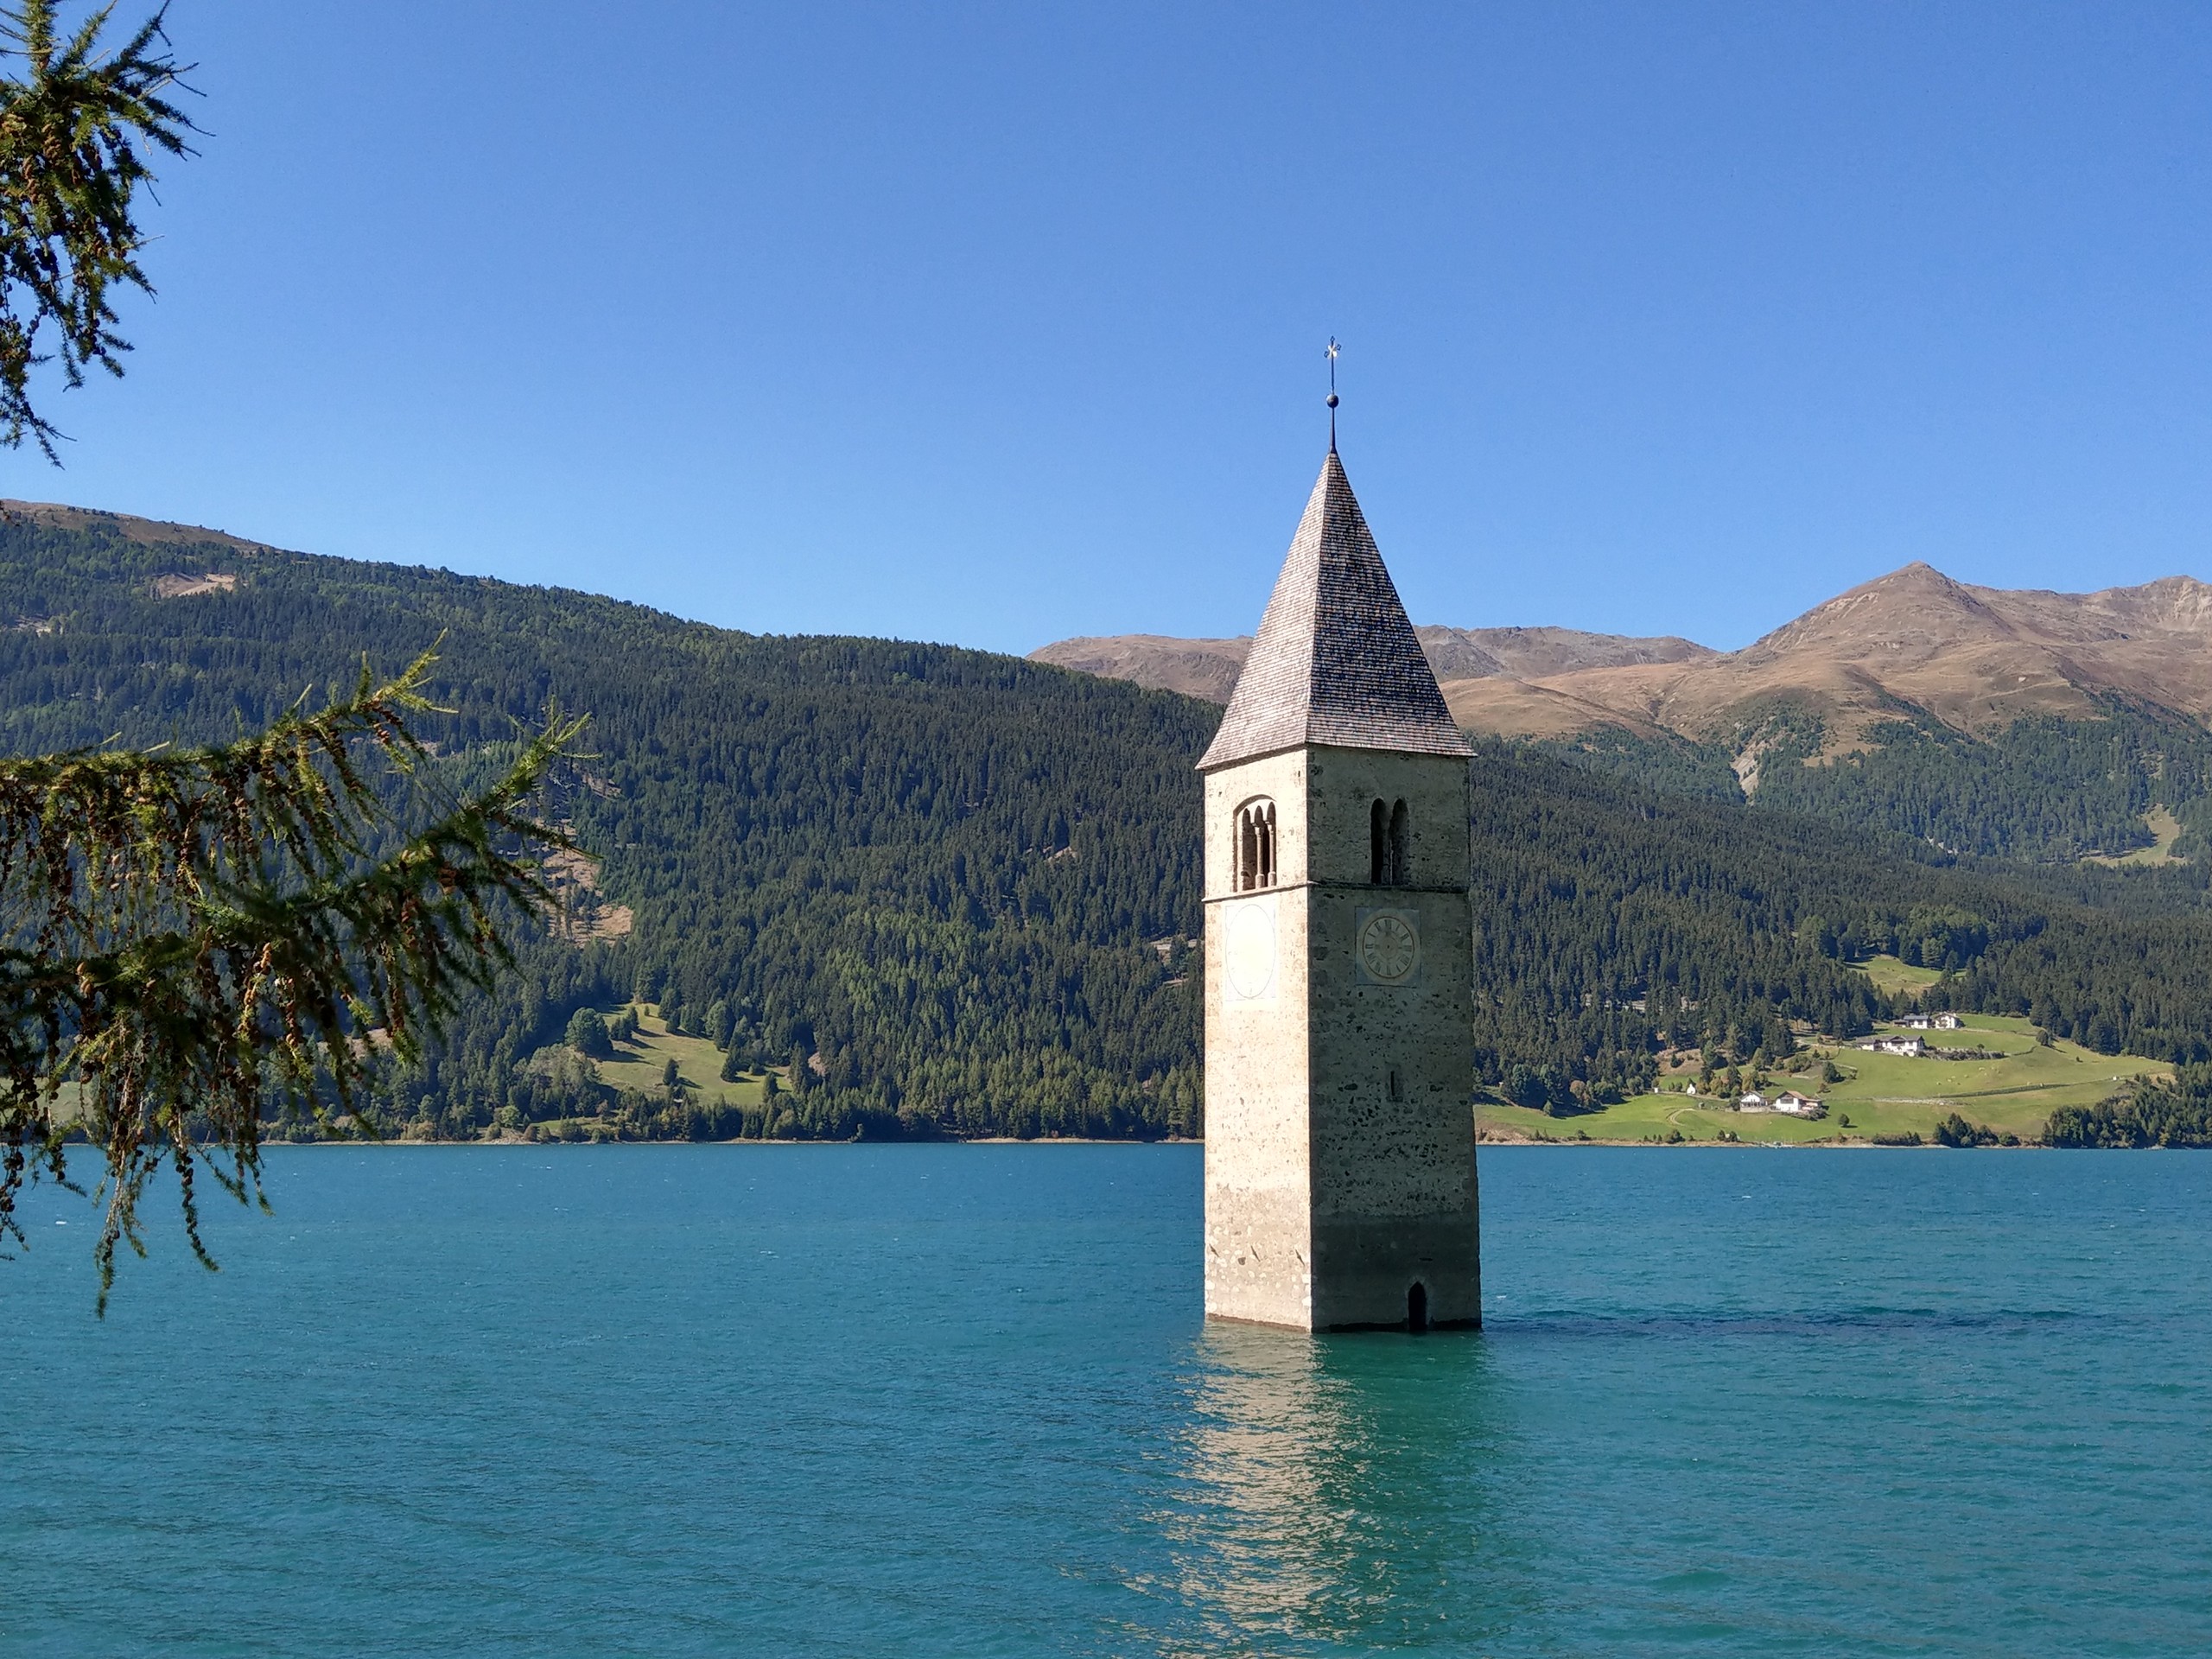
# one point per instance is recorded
(1340, 1162)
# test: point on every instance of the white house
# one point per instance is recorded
(1930, 1022)
(1754, 1101)
(1909, 1045)
(1796, 1105)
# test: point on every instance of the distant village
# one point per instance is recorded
(1789, 1102)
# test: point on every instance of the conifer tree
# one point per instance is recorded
(198, 943)
(77, 126)
(588, 1034)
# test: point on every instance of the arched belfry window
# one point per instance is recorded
(1255, 845)
(1388, 840)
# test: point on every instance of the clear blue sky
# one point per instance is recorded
(997, 324)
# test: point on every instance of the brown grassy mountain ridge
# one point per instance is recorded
(1907, 685)
(1974, 658)
(1208, 668)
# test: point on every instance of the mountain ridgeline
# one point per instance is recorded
(955, 894)
(2022, 725)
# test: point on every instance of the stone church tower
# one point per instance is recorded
(1339, 1145)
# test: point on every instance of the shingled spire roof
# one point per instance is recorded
(1336, 661)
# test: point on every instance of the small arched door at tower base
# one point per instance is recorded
(1417, 1308)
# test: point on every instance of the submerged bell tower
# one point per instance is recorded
(1339, 1143)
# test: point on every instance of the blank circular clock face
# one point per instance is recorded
(1389, 949)
(1250, 951)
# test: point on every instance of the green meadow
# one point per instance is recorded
(1894, 978)
(641, 1063)
(2162, 825)
(1879, 1094)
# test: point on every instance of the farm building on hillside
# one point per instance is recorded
(1930, 1022)
(1796, 1105)
(1909, 1045)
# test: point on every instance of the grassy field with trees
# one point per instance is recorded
(2013, 1091)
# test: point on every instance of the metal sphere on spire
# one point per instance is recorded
(1333, 349)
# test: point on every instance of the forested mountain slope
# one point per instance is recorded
(955, 888)
(936, 870)
(1612, 919)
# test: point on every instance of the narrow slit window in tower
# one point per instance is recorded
(1389, 862)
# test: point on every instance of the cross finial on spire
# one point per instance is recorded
(1333, 349)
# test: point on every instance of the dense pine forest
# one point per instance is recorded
(2174, 1113)
(1613, 919)
(945, 893)
(2040, 790)
(938, 875)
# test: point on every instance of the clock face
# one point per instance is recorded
(1389, 948)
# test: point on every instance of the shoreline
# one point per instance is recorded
(1520, 1142)
(514, 1141)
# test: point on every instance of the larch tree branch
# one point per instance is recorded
(201, 943)
(77, 127)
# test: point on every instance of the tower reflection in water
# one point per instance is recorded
(1344, 1489)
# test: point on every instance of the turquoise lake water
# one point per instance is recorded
(959, 1401)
